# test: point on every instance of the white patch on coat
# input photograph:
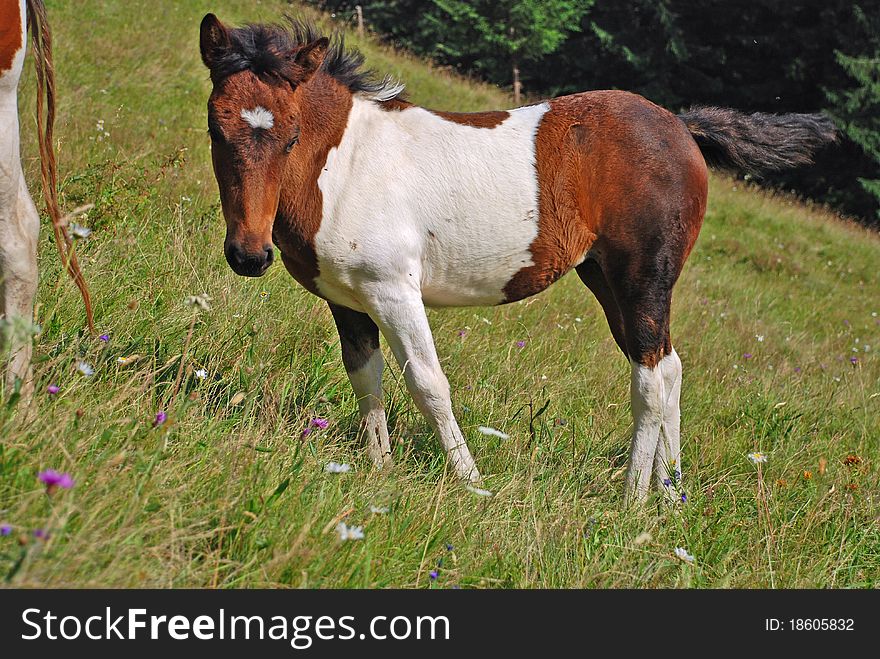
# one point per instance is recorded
(259, 117)
(411, 199)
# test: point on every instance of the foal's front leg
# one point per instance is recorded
(363, 361)
(400, 314)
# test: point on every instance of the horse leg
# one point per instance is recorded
(19, 233)
(667, 459)
(636, 297)
(401, 316)
(359, 337)
(646, 320)
(591, 274)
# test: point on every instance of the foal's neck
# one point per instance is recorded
(324, 105)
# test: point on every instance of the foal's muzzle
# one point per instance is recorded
(249, 264)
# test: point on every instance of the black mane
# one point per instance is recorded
(264, 50)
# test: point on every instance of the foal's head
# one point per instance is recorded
(254, 120)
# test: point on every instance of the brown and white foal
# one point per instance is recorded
(382, 207)
(19, 220)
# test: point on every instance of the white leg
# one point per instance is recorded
(667, 460)
(646, 395)
(19, 232)
(367, 385)
(400, 315)
(359, 337)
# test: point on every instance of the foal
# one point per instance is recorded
(382, 207)
(19, 221)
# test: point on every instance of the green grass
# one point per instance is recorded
(228, 494)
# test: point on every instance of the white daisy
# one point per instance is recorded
(479, 491)
(681, 552)
(78, 231)
(347, 532)
(337, 468)
(200, 302)
(85, 369)
(486, 430)
(757, 457)
(201, 374)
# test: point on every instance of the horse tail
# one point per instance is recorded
(41, 38)
(758, 142)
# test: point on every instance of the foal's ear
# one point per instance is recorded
(310, 57)
(213, 39)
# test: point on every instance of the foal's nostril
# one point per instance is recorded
(233, 253)
(248, 264)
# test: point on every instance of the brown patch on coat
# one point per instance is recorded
(326, 104)
(621, 180)
(11, 37)
(475, 119)
(565, 228)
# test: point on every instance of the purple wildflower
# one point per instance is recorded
(853, 360)
(462, 333)
(306, 432)
(41, 533)
(684, 497)
(5, 529)
(678, 474)
(433, 574)
(53, 479)
(320, 423)
(520, 344)
(104, 338)
(667, 482)
(53, 389)
(747, 355)
(797, 369)
(161, 417)
(449, 547)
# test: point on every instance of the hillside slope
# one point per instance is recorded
(776, 320)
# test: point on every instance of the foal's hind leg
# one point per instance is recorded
(636, 301)
(363, 361)
(400, 314)
(667, 459)
(654, 387)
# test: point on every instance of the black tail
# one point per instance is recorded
(757, 142)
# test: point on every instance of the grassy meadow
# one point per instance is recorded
(775, 318)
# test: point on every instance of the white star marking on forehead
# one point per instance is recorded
(259, 117)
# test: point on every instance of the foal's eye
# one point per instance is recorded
(292, 143)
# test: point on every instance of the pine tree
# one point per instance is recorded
(513, 31)
(857, 110)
